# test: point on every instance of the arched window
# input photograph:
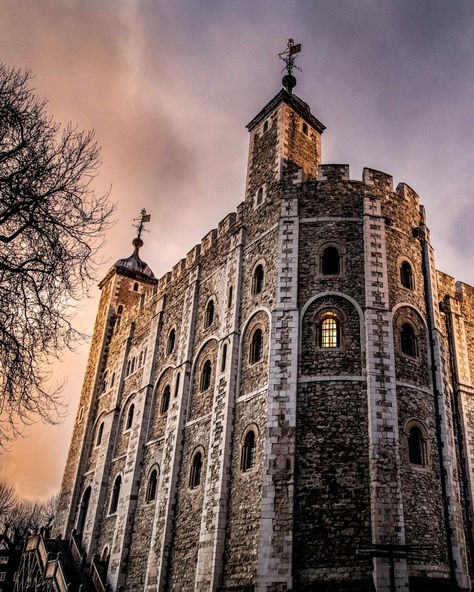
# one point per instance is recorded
(132, 368)
(258, 279)
(406, 275)
(224, 357)
(305, 128)
(114, 500)
(230, 294)
(171, 342)
(176, 387)
(151, 486)
(119, 309)
(330, 261)
(165, 399)
(100, 432)
(249, 452)
(135, 287)
(256, 347)
(209, 314)
(417, 444)
(408, 341)
(329, 331)
(259, 196)
(195, 474)
(206, 373)
(140, 359)
(131, 411)
(83, 509)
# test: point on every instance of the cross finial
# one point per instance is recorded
(288, 56)
(139, 225)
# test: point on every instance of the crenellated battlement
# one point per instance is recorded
(333, 172)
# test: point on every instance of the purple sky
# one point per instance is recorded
(169, 87)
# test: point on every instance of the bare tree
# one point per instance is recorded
(7, 501)
(51, 226)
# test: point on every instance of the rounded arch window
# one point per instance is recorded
(406, 275)
(114, 500)
(100, 433)
(209, 318)
(171, 342)
(329, 330)
(408, 340)
(120, 309)
(135, 287)
(165, 399)
(417, 443)
(196, 470)
(331, 261)
(248, 457)
(256, 347)
(258, 280)
(152, 486)
(130, 414)
(305, 128)
(206, 373)
(259, 196)
(176, 387)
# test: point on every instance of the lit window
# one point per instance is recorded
(408, 341)
(196, 468)
(256, 347)
(249, 452)
(329, 331)
(406, 275)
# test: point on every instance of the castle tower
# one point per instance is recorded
(290, 407)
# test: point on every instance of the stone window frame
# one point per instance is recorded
(176, 385)
(112, 495)
(317, 322)
(260, 196)
(132, 365)
(206, 358)
(129, 401)
(171, 349)
(304, 128)
(263, 263)
(342, 259)
(426, 445)
(400, 261)
(405, 320)
(164, 408)
(148, 498)
(98, 430)
(208, 325)
(265, 126)
(224, 353)
(258, 326)
(197, 449)
(252, 427)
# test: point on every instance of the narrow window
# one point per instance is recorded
(119, 310)
(132, 368)
(229, 296)
(330, 330)
(265, 126)
(256, 347)
(135, 287)
(171, 341)
(258, 279)
(249, 452)
(151, 486)
(196, 468)
(165, 399)
(206, 372)
(305, 129)
(83, 509)
(416, 447)
(209, 314)
(330, 261)
(131, 411)
(176, 388)
(129, 365)
(112, 380)
(114, 500)
(259, 196)
(224, 357)
(406, 275)
(104, 382)
(140, 360)
(408, 341)
(81, 414)
(100, 433)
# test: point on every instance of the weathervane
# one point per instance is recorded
(288, 56)
(139, 225)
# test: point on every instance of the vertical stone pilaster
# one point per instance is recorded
(384, 450)
(448, 449)
(213, 521)
(162, 528)
(276, 526)
(133, 462)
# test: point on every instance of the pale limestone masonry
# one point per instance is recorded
(332, 472)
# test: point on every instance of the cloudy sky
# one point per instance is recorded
(169, 86)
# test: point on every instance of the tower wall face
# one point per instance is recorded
(334, 462)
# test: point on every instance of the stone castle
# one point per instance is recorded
(291, 407)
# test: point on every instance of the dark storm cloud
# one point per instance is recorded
(169, 87)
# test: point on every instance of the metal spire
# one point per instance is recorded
(139, 225)
(288, 56)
